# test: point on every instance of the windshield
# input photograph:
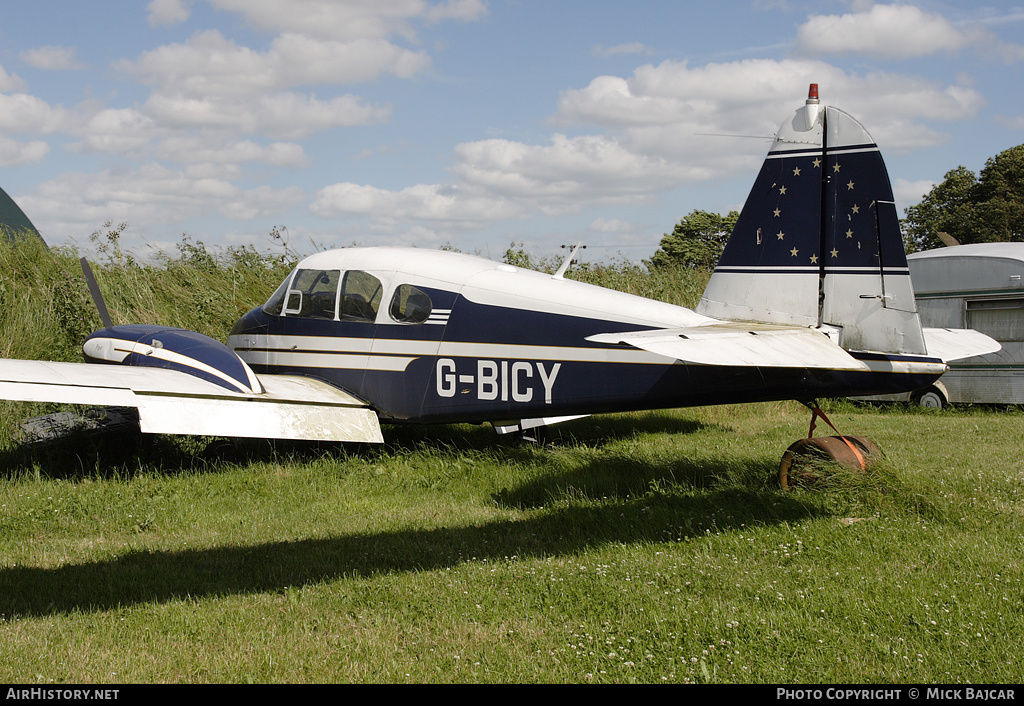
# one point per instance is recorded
(276, 301)
(328, 294)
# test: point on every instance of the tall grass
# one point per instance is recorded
(47, 311)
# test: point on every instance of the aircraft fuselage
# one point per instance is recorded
(503, 343)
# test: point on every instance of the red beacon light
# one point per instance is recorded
(811, 109)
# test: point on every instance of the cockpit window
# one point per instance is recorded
(313, 294)
(409, 305)
(360, 296)
(275, 304)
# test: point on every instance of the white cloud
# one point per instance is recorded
(72, 204)
(52, 58)
(665, 108)
(210, 81)
(23, 113)
(130, 132)
(611, 225)
(216, 105)
(500, 179)
(464, 10)
(279, 115)
(422, 202)
(896, 32)
(653, 133)
(1003, 51)
(209, 64)
(907, 193)
(740, 96)
(115, 131)
(13, 153)
(209, 90)
(10, 83)
(189, 149)
(261, 202)
(299, 59)
(167, 12)
(1013, 122)
(628, 48)
(156, 129)
(352, 19)
(568, 171)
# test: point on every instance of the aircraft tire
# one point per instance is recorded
(930, 399)
(804, 461)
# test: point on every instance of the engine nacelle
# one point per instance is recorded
(173, 348)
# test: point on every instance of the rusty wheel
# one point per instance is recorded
(803, 461)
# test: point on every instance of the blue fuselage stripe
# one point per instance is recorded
(495, 363)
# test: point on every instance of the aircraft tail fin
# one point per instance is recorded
(13, 220)
(818, 241)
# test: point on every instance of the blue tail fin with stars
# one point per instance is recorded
(818, 241)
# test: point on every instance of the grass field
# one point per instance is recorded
(651, 548)
(632, 548)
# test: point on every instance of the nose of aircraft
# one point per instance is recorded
(254, 321)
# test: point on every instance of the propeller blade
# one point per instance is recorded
(94, 290)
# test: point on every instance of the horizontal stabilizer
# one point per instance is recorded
(958, 343)
(173, 402)
(747, 345)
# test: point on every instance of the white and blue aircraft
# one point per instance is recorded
(811, 298)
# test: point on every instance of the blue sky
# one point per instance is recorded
(470, 123)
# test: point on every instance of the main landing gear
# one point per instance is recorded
(804, 460)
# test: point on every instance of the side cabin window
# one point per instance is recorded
(360, 296)
(409, 305)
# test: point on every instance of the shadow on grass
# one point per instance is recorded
(593, 430)
(613, 499)
(124, 455)
(140, 577)
(116, 456)
(622, 478)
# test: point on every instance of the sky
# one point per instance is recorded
(471, 124)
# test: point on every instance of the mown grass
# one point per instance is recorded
(647, 547)
(632, 548)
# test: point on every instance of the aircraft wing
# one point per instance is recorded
(173, 402)
(735, 344)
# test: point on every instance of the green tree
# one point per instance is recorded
(696, 242)
(983, 208)
(1000, 209)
